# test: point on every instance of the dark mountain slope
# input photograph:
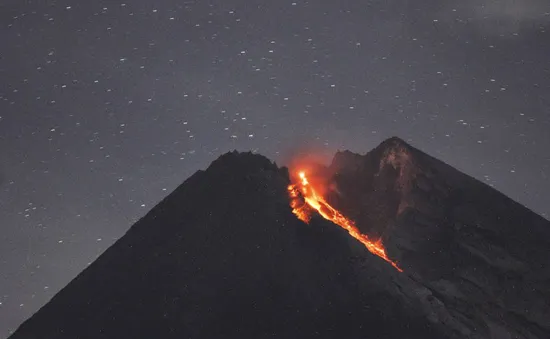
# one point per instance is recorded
(482, 255)
(223, 256)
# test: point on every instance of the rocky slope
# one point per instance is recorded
(223, 256)
(483, 258)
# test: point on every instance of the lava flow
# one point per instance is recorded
(304, 200)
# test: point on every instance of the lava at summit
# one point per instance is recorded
(304, 200)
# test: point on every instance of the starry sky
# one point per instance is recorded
(105, 107)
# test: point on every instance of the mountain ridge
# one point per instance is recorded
(444, 225)
(223, 255)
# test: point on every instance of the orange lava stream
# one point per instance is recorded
(313, 201)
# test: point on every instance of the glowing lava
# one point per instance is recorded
(304, 200)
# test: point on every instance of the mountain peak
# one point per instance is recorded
(394, 142)
(224, 256)
(394, 151)
(245, 160)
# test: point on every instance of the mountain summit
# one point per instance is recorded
(225, 256)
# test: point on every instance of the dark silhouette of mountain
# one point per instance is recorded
(482, 258)
(223, 256)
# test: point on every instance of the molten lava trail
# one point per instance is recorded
(312, 201)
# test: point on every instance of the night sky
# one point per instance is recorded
(106, 107)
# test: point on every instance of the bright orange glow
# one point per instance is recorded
(304, 200)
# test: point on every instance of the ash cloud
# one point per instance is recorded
(503, 17)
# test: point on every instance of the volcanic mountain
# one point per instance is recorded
(397, 244)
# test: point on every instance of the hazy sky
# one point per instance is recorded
(106, 107)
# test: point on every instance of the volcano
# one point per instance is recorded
(390, 244)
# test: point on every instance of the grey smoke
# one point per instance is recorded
(502, 17)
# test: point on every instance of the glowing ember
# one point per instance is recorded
(304, 200)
